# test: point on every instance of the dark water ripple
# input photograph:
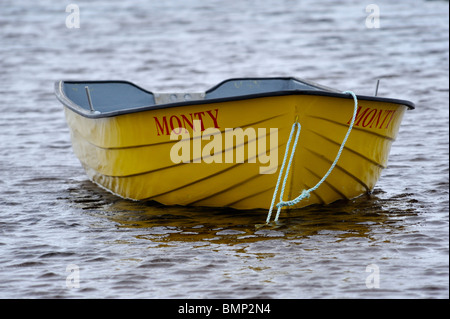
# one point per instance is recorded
(52, 217)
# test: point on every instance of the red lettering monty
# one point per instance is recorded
(167, 124)
(373, 118)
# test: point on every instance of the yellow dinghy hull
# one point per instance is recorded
(225, 147)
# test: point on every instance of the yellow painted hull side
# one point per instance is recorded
(130, 154)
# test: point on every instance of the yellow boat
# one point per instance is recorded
(225, 147)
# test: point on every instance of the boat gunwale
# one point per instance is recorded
(62, 97)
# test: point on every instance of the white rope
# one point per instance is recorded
(305, 193)
(280, 174)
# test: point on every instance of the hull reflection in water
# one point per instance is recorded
(363, 217)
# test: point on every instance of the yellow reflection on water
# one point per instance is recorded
(165, 224)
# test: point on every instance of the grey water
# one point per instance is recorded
(63, 237)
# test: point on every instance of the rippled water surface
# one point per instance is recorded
(52, 219)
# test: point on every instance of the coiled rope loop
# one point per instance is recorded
(296, 127)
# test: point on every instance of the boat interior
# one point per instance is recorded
(111, 96)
